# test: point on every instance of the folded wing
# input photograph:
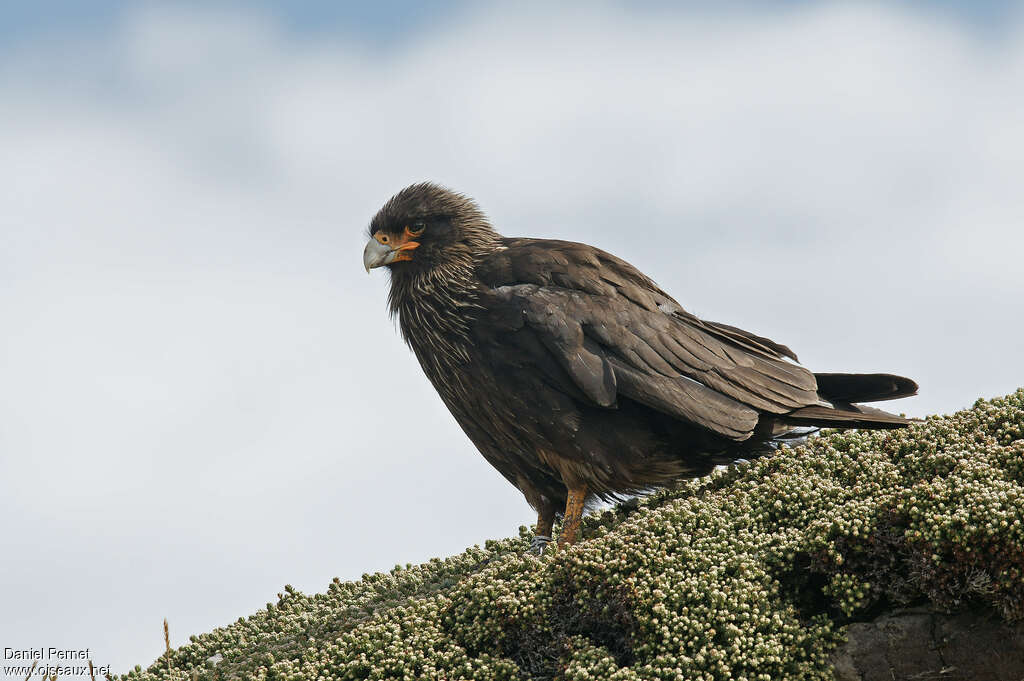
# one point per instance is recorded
(614, 332)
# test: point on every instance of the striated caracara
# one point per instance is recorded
(575, 375)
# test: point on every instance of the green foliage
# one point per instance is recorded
(750, 573)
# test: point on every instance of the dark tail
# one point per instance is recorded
(843, 390)
(864, 387)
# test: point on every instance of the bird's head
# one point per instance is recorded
(424, 228)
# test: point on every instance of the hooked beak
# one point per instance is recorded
(377, 253)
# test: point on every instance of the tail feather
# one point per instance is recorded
(844, 416)
(849, 388)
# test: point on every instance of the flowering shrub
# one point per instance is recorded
(750, 573)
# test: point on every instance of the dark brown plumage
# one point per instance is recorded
(575, 375)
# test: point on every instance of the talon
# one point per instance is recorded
(539, 543)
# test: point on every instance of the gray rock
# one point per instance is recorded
(923, 645)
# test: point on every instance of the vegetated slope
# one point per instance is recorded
(751, 573)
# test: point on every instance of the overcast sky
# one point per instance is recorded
(201, 395)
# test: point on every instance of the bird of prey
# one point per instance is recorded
(575, 375)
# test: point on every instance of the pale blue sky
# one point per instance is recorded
(388, 20)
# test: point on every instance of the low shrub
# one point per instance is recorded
(750, 573)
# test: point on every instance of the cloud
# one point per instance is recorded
(203, 397)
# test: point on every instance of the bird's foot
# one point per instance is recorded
(539, 543)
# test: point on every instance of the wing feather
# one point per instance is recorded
(615, 332)
(689, 400)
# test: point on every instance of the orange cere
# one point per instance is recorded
(401, 244)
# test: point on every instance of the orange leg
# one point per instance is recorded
(573, 515)
(545, 521)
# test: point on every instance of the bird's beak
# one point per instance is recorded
(377, 253)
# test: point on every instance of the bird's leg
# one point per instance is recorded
(573, 515)
(545, 521)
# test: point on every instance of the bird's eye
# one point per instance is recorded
(382, 237)
(416, 229)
